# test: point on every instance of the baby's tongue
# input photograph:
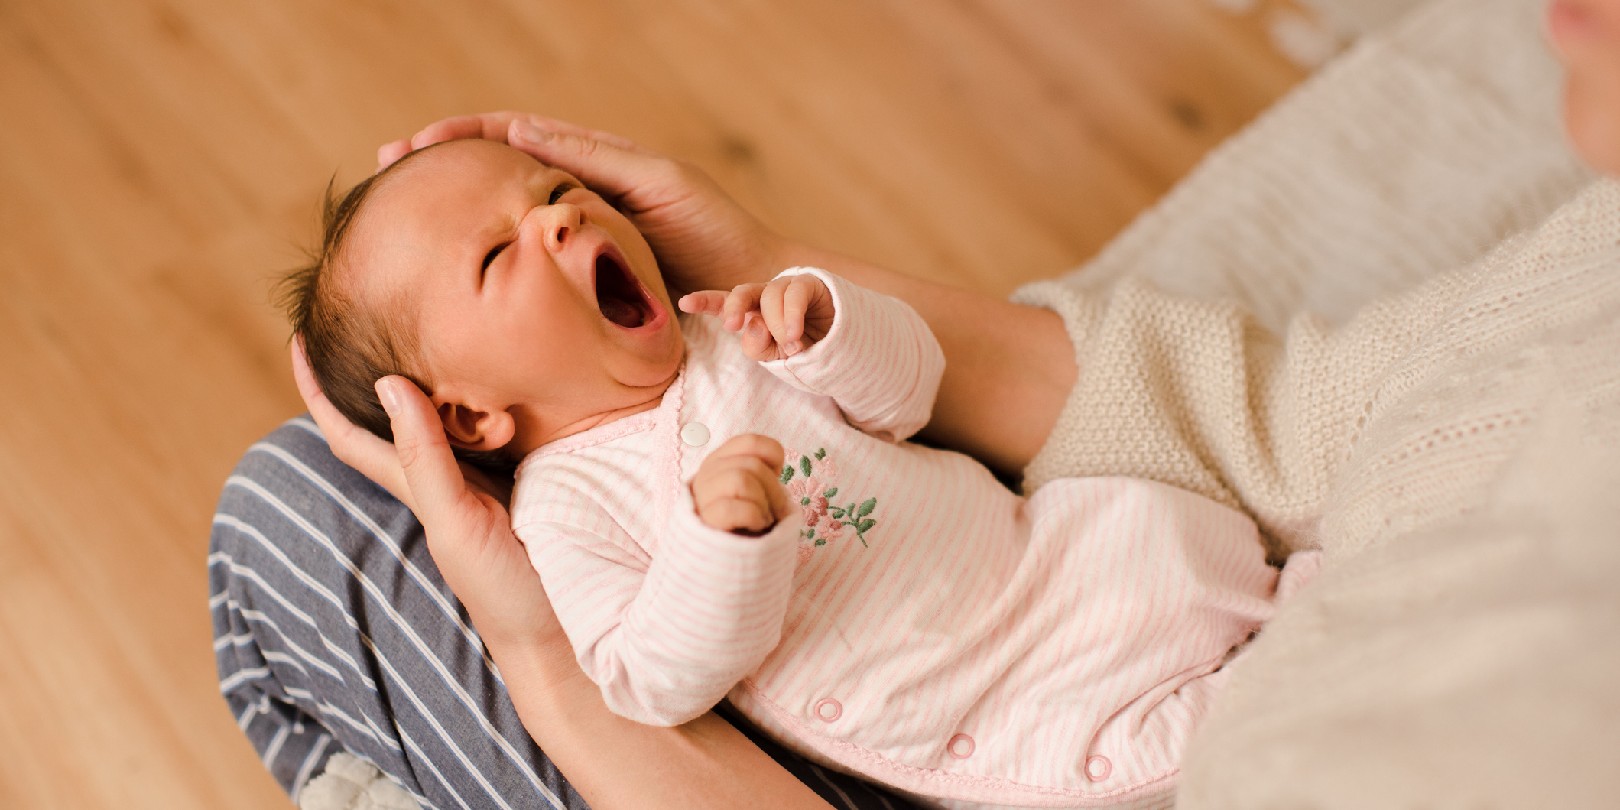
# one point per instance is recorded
(621, 312)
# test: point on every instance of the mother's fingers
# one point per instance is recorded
(490, 126)
(560, 127)
(431, 473)
(392, 151)
(355, 446)
(610, 165)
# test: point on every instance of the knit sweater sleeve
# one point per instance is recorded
(665, 640)
(1196, 394)
(879, 362)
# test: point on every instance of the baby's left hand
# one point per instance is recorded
(777, 320)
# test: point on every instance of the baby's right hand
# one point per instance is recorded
(776, 320)
(738, 488)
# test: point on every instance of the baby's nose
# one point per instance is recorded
(561, 221)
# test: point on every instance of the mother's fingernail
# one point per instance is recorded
(527, 132)
(388, 395)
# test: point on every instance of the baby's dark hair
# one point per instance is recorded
(348, 345)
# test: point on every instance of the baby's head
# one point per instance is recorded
(526, 307)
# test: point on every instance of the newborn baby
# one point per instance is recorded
(722, 501)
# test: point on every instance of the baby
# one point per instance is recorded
(721, 502)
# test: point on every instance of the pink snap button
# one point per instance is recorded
(829, 710)
(1098, 768)
(960, 746)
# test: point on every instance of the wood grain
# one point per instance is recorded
(160, 163)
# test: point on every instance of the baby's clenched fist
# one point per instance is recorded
(775, 320)
(738, 488)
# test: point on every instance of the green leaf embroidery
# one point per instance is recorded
(853, 515)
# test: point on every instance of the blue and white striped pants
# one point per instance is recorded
(334, 632)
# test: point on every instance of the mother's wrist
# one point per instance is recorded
(784, 253)
(560, 707)
(539, 660)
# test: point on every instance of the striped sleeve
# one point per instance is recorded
(879, 361)
(334, 633)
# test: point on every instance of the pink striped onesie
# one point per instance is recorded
(916, 622)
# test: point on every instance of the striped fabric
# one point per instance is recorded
(333, 632)
(914, 621)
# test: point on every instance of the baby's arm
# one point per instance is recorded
(872, 354)
(665, 639)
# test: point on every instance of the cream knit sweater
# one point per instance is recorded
(1341, 437)
(1453, 446)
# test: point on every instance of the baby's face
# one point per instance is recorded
(529, 294)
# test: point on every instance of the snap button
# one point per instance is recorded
(1098, 768)
(695, 434)
(829, 710)
(960, 746)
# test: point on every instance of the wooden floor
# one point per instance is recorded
(160, 162)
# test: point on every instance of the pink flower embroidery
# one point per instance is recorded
(809, 479)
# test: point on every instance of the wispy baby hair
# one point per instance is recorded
(349, 345)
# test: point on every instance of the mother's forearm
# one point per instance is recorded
(1008, 367)
(618, 763)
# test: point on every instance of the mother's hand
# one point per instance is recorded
(702, 237)
(462, 510)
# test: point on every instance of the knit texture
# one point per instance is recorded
(1450, 446)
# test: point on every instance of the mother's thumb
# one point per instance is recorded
(430, 467)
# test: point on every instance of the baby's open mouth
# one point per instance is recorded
(618, 295)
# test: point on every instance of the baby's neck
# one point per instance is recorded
(528, 440)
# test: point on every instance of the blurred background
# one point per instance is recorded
(161, 163)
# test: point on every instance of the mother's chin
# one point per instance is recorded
(1585, 35)
(1592, 116)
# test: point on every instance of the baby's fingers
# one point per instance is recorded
(738, 515)
(703, 302)
(743, 299)
(757, 341)
(783, 304)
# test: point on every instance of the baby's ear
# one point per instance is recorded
(472, 429)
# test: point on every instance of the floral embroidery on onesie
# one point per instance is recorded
(811, 481)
